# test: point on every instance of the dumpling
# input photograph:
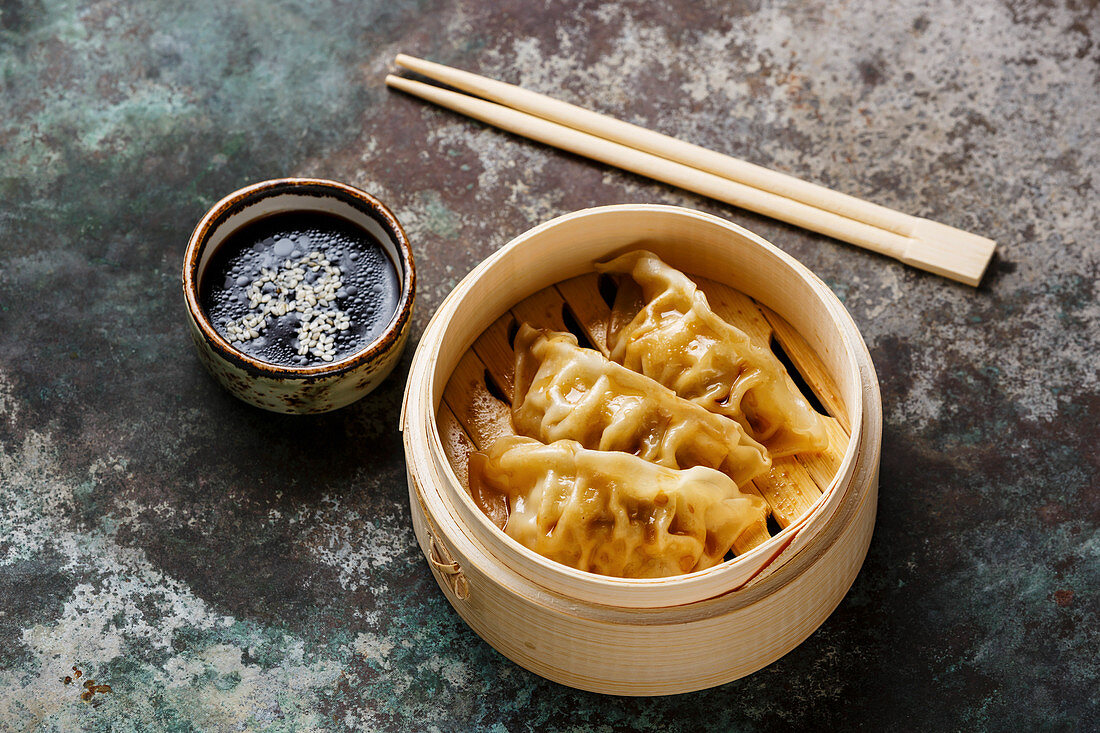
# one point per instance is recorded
(564, 392)
(663, 327)
(611, 513)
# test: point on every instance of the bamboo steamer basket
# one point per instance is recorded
(654, 636)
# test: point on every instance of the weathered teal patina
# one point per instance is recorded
(221, 568)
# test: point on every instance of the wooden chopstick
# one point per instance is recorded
(665, 146)
(918, 242)
(656, 167)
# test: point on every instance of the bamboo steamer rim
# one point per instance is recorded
(430, 469)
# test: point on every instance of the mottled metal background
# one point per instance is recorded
(224, 569)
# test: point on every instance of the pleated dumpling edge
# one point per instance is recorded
(612, 513)
(663, 327)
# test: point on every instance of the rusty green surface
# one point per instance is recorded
(227, 569)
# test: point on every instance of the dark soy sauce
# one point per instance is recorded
(300, 289)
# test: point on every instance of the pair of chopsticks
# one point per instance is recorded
(915, 241)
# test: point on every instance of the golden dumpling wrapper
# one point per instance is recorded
(610, 513)
(565, 392)
(663, 327)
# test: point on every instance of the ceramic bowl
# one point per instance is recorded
(298, 389)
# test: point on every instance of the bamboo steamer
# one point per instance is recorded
(657, 636)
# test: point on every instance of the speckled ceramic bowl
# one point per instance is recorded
(292, 389)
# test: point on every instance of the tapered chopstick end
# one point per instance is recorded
(950, 252)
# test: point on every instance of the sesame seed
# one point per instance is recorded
(312, 303)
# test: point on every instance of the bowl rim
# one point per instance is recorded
(242, 198)
(640, 591)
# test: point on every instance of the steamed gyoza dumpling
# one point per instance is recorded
(608, 512)
(564, 392)
(663, 327)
